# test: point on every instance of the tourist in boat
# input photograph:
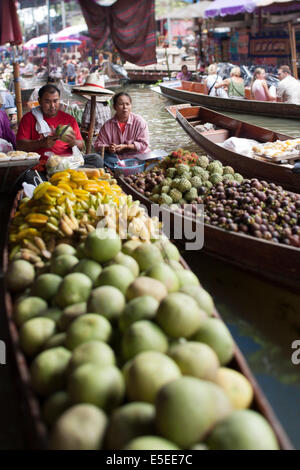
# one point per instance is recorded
(125, 134)
(235, 84)
(212, 80)
(184, 74)
(288, 89)
(259, 87)
(36, 130)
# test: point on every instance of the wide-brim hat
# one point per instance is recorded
(94, 84)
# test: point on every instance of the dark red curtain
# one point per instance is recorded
(10, 30)
(131, 24)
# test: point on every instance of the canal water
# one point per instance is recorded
(263, 319)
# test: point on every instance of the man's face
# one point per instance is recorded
(50, 104)
(281, 74)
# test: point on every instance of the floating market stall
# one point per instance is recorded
(58, 269)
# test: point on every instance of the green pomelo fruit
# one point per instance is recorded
(150, 443)
(64, 249)
(48, 370)
(20, 275)
(216, 334)
(143, 336)
(52, 313)
(243, 430)
(144, 285)
(147, 373)
(62, 131)
(179, 315)
(87, 328)
(95, 352)
(195, 359)
(102, 245)
(203, 299)
(117, 276)
(55, 341)
(128, 422)
(129, 262)
(28, 308)
(81, 427)
(54, 406)
(70, 314)
(129, 247)
(163, 273)
(102, 386)
(75, 288)
(175, 265)
(186, 277)
(185, 411)
(34, 333)
(140, 308)
(63, 264)
(46, 285)
(107, 301)
(89, 267)
(168, 250)
(147, 255)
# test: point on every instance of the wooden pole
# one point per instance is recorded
(18, 91)
(293, 50)
(48, 33)
(92, 124)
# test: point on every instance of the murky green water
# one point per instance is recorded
(263, 319)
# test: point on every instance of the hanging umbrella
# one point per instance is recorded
(72, 31)
(34, 42)
(55, 43)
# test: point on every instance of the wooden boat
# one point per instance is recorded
(190, 117)
(35, 428)
(146, 76)
(271, 261)
(196, 93)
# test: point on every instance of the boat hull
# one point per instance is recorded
(264, 108)
(248, 167)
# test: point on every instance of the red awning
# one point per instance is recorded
(10, 30)
(131, 25)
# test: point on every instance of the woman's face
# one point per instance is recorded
(123, 107)
(261, 75)
(184, 69)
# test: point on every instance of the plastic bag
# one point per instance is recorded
(239, 145)
(5, 146)
(56, 163)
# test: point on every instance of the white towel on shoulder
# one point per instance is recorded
(41, 125)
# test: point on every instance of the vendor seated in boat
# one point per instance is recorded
(5, 129)
(259, 87)
(36, 131)
(288, 90)
(184, 74)
(234, 85)
(124, 135)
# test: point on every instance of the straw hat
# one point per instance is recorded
(94, 83)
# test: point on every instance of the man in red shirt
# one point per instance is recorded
(30, 140)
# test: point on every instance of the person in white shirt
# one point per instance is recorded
(288, 89)
(212, 80)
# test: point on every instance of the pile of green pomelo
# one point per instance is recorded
(125, 352)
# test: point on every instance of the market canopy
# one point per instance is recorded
(56, 43)
(191, 11)
(229, 7)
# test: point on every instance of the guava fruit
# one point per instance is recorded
(107, 301)
(20, 275)
(165, 274)
(186, 277)
(147, 255)
(215, 333)
(81, 427)
(46, 285)
(34, 333)
(102, 386)
(28, 308)
(63, 264)
(128, 422)
(144, 285)
(140, 308)
(142, 336)
(203, 299)
(54, 406)
(117, 276)
(89, 267)
(96, 352)
(236, 386)
(48, 370)
(75, 288)
(64, 249)
(129, 262)
(150, 443)
(87, 328)
(102, 245)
